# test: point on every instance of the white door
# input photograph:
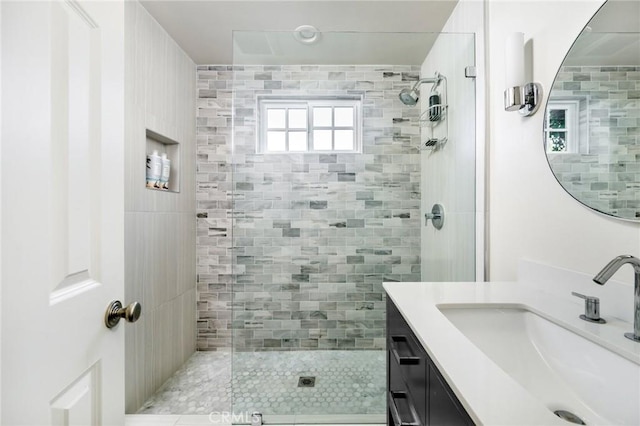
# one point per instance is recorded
(62, 212)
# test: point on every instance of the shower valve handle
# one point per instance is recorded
(436, 216)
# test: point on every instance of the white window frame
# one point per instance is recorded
(571, 129)
(266, 102)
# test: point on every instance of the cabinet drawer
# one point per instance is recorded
(404, 349)
(414, 383)
(409, 380)
(395, 322)
(400, 338)
(407, 352)
(411, 362)
(402, 410)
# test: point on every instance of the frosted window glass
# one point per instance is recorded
(344, 117)
(322, 140)
(275, 141)
(304, 125)
(322, 117)
(276, 118)
(297, 118)
(344, 140)
(297, 141)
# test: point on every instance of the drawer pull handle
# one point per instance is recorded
(403, 360)
(395, 413)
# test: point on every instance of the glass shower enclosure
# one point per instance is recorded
(331, 178)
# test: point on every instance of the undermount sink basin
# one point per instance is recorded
(563, 370)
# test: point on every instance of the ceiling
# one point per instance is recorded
(602, 49)
(617, 16)
(612, 37)
(204, 30)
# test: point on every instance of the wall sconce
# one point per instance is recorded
(519, 95)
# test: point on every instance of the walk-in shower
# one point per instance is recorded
(312, 188)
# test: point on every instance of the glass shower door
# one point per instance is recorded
(328, 195)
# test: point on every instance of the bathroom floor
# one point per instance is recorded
(346, 382)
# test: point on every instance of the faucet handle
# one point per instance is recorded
(591, 308)
(588, 298)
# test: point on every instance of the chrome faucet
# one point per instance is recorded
(608, 271)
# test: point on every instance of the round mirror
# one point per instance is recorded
(592, 119)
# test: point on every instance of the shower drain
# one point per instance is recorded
(306, 382)
(569, 416)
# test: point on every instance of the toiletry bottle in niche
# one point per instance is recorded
(166, 171)
(154, 170)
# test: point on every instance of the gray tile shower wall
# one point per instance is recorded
(314, 235)
(160, 227)
(606, 171)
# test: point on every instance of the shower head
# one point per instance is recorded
(409, 96)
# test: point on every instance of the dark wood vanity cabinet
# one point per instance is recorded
(417, 394)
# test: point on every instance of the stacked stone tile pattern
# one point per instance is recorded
(293, 248)
(606, 174)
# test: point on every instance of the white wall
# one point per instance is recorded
(159, 226)
(530, 215)
(449, 174)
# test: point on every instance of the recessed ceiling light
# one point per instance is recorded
(307, 34)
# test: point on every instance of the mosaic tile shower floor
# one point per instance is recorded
(347, 382)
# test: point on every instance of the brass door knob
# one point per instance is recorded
(115, 311)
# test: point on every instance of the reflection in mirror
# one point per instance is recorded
(592, 122)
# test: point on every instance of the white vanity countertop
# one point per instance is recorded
(491, 396)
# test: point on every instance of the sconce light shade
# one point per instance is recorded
(514, 60)
(519, 95)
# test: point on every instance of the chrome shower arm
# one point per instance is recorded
(433, 80)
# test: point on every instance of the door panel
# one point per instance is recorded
(75, 109)
(79, 403)
(62, 219)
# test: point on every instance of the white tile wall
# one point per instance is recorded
(159, 226)
(449, 174)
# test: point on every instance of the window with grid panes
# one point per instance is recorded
(309, 125)
(561, 127)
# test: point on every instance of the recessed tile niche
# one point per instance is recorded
(163, 144)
